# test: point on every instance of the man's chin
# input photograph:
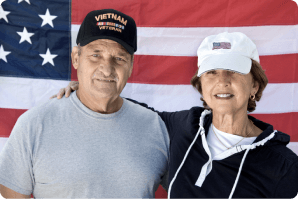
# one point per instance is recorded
(104, 93)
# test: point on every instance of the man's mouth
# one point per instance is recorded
(106, 80)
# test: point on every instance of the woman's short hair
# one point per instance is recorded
(258, 75)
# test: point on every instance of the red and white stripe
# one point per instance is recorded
(169, 33)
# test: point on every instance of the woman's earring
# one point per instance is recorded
(252, 97)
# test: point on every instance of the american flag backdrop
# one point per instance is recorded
(36, 37)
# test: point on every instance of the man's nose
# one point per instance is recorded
(107, 67)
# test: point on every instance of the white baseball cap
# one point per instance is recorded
(227, 51)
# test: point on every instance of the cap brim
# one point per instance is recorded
(233, 62)
(129, 49)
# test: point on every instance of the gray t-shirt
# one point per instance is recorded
(63, 149)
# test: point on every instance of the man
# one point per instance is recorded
(95, 143)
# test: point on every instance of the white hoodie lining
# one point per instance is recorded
(239, 148)
(217, 148)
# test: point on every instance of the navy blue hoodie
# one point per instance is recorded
(265, 169)
(269, 170)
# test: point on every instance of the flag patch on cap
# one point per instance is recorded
(110, 24)
(221, 45)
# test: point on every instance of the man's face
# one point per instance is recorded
(103, 68)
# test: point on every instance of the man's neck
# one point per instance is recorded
(100, 105)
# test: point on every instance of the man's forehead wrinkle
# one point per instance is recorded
(93, 46)
(106, 44)
(98, 47)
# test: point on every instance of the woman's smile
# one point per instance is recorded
(225, 96)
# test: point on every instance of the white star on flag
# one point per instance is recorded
(3, 53)
(48, 57)
(28, 1)
(1, 1)
(47, 19)
(25, 35)
(3, 14)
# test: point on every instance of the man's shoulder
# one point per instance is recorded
(50, 107)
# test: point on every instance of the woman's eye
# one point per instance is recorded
(211, 72)
(95, 55)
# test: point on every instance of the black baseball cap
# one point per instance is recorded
(109, 24)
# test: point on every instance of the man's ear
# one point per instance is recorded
(75, 57)
(130, 70)
(131, 67)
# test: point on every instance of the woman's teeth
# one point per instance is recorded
(224, 95)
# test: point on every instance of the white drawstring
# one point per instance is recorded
(253, 146)
(207, 167)
(238, 175)
(200, 131)
(185, 156)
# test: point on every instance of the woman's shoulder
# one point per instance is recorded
(287, 169)
(279, 151)
(275, 141)
(286, 153)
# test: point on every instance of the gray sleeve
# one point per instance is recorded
(16, 170)
(165, 181)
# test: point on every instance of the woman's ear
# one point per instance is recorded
(256, 86)
(75, 57)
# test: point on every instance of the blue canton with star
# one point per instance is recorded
(35, 39)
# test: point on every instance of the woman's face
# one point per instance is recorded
(227, 92)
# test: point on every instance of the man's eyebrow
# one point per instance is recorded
(96, 50)
(124, 49)
(124, 54)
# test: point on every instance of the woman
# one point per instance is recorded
(219, 150)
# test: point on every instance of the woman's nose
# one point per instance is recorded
(224, 77)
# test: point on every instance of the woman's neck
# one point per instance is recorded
(236, 124)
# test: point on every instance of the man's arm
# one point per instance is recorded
(8, 193)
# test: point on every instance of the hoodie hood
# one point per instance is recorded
(279, 138)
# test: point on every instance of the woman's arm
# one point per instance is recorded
(288, 185)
